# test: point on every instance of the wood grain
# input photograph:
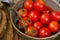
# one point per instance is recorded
(3, 23)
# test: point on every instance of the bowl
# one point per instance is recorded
(24, 36)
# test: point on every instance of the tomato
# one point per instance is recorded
(55, 15)
(28, 4)
(20, 24)
(32, 31)
(48, 9)
(23, 12)
(27, 22)
(54, 26)
(39, 5)
(38, 25)
(44, 32)
(34, 15)
(59, 26)
(45, 18)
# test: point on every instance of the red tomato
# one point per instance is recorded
(44, 32)
(38, 25)
(39, 5)
(45, 18)
(23, 12)
(28, 4)
(20, 24)
(54, 26)
(48, 9)
(27, 22)
(59, 26)
(55, 15)
(34, 15)
(32, 31)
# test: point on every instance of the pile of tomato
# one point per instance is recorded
(40, 20)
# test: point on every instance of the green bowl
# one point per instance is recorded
(24, 36)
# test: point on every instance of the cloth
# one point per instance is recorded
(7, 31)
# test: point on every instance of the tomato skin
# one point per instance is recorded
(27, 22)
(59, 27)
(23, 12)
(39, 5)
(55, 15)
(54, 26)
(44, 32)
(28, 4)
(32, 31)
(45, 18)
(48, 9)
(38, 25)
(20, 24)
(34, 15)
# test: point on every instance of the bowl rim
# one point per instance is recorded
(30, 36)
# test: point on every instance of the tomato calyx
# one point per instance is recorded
(28, 20)
(34, 0)
(33, 31)
(22, 10)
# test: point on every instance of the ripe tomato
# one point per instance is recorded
(28, 4)
(59, 24)
(55, 15)
(54, 26)
(27, 22)
(32, 31)
(39, 5)
(34, 15)
(20, 24)
(44, 32)
(38, 25)
(23, 12)
(45, 18)
(48, 9)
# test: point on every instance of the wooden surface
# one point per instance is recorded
(6, 30)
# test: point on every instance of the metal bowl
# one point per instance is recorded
(24, 36)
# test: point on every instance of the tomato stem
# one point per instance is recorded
(22, 10)
(34, 0)
(33, 31)
(20, 18)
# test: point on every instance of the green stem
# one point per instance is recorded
(20, 18)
